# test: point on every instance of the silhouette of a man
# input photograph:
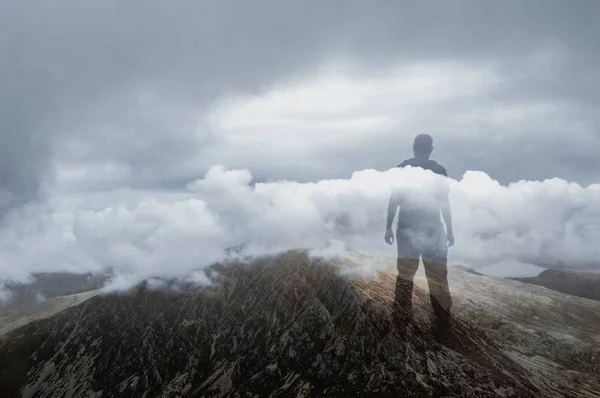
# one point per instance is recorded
(420, 233)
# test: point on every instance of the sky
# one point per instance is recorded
(111, 113)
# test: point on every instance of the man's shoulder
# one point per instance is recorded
(407, 162)
(431, 165)
(438, 168)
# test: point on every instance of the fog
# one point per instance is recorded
(500, 230)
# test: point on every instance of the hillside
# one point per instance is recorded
(296, 326)
(577, 283)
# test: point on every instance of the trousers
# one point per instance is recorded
(428, 244)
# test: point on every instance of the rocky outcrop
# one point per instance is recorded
(296, 326)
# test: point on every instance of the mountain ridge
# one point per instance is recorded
(292, 325)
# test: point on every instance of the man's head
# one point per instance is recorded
(423, 146)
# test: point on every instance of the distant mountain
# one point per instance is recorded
(49, 285)
(296, 326)
(25, 314)
(577, 283)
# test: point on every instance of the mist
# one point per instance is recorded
(500, 230)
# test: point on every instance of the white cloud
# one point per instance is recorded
(338, 105)
(330, 121)
(500, 229)
(342, 118)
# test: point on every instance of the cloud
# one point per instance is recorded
(498, 228)
(338, 119)
(341, 119)
(107, 95)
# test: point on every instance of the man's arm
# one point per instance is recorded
(445, 207)
(447, 215)
(391, 213)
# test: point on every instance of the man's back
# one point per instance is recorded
(421, 209)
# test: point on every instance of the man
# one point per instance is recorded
(420, 233)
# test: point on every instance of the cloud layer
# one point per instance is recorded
(499, 229)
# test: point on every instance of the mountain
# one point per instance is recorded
(293, 325)
(49, 285)
(577, 283)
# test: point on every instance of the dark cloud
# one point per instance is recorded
(76, 76)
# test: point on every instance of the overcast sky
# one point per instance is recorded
(106, 103)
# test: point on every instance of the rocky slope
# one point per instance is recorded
(577, 283)
(296, 326)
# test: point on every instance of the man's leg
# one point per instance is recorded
(407, 264)
(436, 270)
